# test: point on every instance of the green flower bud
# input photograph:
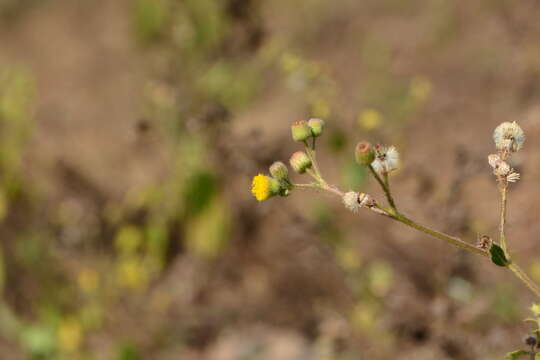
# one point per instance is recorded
(300, 130)
(279, 171)
(316, 126)
(300, 162)
(364, 153)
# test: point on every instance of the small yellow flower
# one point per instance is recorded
(260, 187)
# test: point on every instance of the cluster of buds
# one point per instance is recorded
(509, 138)
(302, 130)
(278, 183)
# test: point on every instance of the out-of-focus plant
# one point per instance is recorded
(381, 161)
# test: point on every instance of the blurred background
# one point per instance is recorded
(129, 134)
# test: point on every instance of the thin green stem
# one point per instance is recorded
(524, 278)
(452, 240)
(389, 196)
(384, 186)
(440, 235)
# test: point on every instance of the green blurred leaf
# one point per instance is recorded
(128, 352)
(149, 19)
(199, 190)
(497, 256)
(39, 340)
(516, 354)
(354, 175)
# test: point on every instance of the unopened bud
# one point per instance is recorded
(279, 170)
(364, 153)
(300, 162)
(300, 130)
(316, 126)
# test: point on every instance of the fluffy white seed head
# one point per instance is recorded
(509, 136)
(386, 159)
(351, 201)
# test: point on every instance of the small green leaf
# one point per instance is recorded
(516, 354)
(497, 255)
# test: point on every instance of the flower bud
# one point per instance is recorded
(300, 130)
(316, 126)
(300, 162)
(279, 170)
(364, 153)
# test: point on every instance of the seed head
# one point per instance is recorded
(509, 136)
(351, 201)
(300, 162)
(502, 168)
(300, 130)
(279, 171)
(386, 159)
(316, 126)
(513, 177)
(366, 200)
(364, 153)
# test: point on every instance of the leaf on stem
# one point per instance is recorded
(497, 256)
(516, 354)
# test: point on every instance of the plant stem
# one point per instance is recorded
(440, 235)
(310, 151)
(524, 278)
(504, 200)
(384, 186)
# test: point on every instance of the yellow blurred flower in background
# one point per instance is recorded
(69, 335)
(369, 119)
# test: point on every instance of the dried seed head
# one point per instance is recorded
(300, 162)
(484, 242)
(300, 130)
(351, 201)
(366, 200)
(502, 168)
(513, 177)
(316, 126)
(493, 159)
(279, 171)
(386, 159)
(509, 136)
(364, 153)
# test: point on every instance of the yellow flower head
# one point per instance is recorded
(262, 187)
